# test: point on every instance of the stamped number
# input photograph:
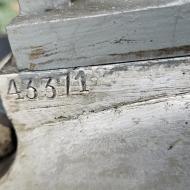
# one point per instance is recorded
(32, 92)
(13, 90)
(81, 75)
(49, 86)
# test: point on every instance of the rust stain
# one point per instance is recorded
(141, 55)
(36, 53)
(32, 66)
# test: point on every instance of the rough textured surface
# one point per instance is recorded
(91, 89)
(119, 127)
(97, 36)
(139, 147)
(39, 7)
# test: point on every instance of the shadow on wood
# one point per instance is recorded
(8, 142)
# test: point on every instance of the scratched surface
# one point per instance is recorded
(101, 127)
(97, 36)
(140, 146)
(92, 89)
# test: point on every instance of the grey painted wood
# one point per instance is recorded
(139, 146)
(91, 89)
(39, 7)
(92, 37)
(120, 125)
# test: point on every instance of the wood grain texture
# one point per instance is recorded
(120, 125)
(140, 146)
(40, 7)
(71, 39)
(69, 93)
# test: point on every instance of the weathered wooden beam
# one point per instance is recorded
(92, 89)
(29, 7)
(101, 127)
(139, 146)
(107, 126)
(81, 38)
(39, 7)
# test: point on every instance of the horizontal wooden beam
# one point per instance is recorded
(29, 7)
(72, 39)
(101, 127)
(39, 7)
(93, 89)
